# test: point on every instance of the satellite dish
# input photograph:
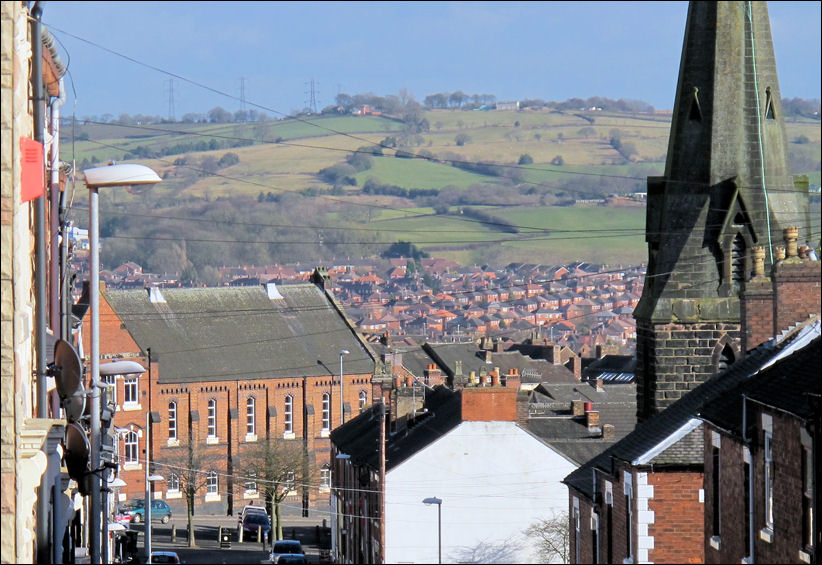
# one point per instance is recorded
(66, 369)
(77, 453)
(75, 405)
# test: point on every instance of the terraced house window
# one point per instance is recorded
(250, 425)
(212, 418)
(172, 421)
(363, 400)
(173, 482)
(289, 414)
(212, 483)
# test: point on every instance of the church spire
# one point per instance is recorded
(727, 187)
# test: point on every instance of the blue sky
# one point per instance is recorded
(513, 50)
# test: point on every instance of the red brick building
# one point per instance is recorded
(231, 367)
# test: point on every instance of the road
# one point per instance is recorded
(208, 550)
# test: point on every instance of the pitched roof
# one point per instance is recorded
(212, 334)
(669, 438)
(789, 386)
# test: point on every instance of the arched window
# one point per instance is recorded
(363, 400)
(326, 413)
(130, 451)
(250, 425)
(289, 414)
(172, 420)
(726, 358)
(173, 482)
(212, 418)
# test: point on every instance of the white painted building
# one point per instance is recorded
(494, 479)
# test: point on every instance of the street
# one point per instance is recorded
(208, 550)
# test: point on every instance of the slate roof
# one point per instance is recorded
(689, 450)
(788, 386)
(550, 417)
(359, 437)
(213, 334)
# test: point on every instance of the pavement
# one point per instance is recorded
(206, 536)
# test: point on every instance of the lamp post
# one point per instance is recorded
(343, 352)
(96, 178)
(151, 418)
(121, 368)
(438, 502)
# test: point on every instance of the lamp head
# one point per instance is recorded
(344, 352)
(432, 500)
(127, 174)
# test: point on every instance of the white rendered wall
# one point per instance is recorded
(494, 478)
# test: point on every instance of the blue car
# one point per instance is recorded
(160, 510)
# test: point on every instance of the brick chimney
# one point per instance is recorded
(489, 404)
(574, 364)
(578, 407)
(592, 420)
(433, 375)
(608, 432)
(495, 377)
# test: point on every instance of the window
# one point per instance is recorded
(111, 380)
(325, 478)
(747, 484)
(251, 483)
(131, 391)
(769, 469)
(326, 412)
(576, 531)
(212, 484)
(363, 400)
(628, 490)
(212, 418)
(807, 497)
(250, 426)
(173, 482)
(595, 536)
(289, 481)
(716, 500)
(130, 451)
(289, 414)
(172, 421)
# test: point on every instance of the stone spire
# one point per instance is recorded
(727, 188)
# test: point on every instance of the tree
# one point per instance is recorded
(277, 467)
(552, 537)
(461, 139)
(525, 159)
(219, 115)
(191, 469)
(558, 161)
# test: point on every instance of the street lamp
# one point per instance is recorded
(438, 502)
(116, 368)
(97, 178)
(151, 418)
(342, 404)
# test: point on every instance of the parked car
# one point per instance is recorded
(160, 510)
(286, 550)
(164, 556)
(254, 522)
(250, 509)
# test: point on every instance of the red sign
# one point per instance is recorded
(32, 174)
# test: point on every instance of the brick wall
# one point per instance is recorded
(678, 528)
(673, 359)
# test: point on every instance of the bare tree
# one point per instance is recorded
(278, 467)
(191, 469)
(552, 537)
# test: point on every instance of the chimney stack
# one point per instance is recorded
(578, 407)
(592, 419)
(608, 432)
(599, 384)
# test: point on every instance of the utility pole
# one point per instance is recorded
(311, 102)
(171, 100)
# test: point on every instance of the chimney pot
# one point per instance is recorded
(779, 253)
(495, 378)
(791, 235)
(758, 261)
(397, 382)
(409, 381)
